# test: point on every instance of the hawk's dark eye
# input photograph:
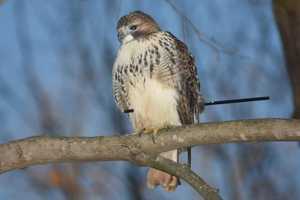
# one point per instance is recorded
(133, 27)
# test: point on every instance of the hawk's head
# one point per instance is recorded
(135, 25)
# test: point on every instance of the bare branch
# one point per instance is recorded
(143, 149)
(214, 45)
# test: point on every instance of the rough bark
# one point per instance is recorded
(287, 15)
(143, 149)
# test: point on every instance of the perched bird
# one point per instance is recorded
(155, 76)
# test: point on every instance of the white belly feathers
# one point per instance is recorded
(154, 105)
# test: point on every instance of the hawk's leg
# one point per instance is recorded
(152, 131)
(139, 132)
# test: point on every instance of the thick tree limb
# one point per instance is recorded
(143, 149)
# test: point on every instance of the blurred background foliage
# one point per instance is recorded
(55, 79)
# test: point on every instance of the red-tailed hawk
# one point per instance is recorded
(155, 75)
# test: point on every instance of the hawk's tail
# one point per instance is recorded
(156, 177)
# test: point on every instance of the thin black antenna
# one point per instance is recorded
(264, 98)
(236, 100)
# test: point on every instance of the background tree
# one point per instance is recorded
(287, 14)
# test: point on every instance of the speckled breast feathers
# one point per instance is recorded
(162, 58)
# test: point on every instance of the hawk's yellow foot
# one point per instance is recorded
(153, 131)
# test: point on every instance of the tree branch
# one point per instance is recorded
(143, 149)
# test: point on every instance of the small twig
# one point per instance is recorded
(208, 41)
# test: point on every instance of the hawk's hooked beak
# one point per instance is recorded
(125, 35)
